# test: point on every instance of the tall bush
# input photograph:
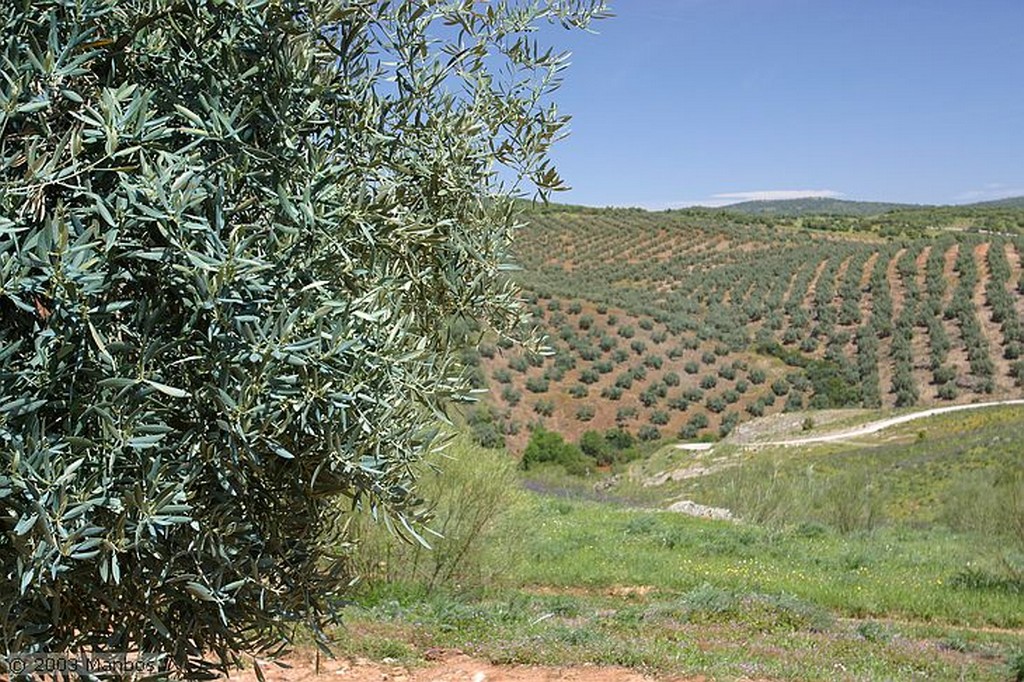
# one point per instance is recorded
(234, 240)
(480, 519)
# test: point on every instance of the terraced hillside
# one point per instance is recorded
(684, 324)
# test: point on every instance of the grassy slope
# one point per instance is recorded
(917, 473)
(609, 583)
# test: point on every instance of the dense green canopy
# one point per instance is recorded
(234, 236)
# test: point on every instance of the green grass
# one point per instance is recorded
(669, 594)
(614, 583)
(705, 631)
(919, 473)
(890, 572)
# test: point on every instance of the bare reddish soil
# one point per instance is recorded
(446, 666)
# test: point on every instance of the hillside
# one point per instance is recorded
(1009, 202)
(686, 324)
(814, 206)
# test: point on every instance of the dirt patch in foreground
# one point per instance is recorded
(446, 667)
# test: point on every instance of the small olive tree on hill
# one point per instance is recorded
(233, 234)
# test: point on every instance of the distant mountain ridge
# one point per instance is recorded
(790, 208)
(841, 207)
(817, 206)
(1009, 202)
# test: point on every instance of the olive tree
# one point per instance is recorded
(235, 236)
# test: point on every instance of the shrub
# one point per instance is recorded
(679, 403)
(564, 361)
(653, 361)
(519, 364)
(715, 404)
(688, 431)
(648, 433)
(729, 422)
(620, 439)
(648, 398)
(537, 385)
(693, 394)
(548, 447)
(477, 502)
(699, 420)
(585, 413)
(554, 373)
(659, 417)
(708, 381)
(545, 408)
(484, 427)
(1017, 371)
(625, 413)
(619, 356)
(594, 445)
(579, 391)
(944, 374)
(511, 395)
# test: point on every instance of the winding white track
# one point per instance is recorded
(876, 426)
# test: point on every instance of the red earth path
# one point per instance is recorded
(451, 666)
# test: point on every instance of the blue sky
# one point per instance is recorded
(678, 102)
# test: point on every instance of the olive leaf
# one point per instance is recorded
(239, 246)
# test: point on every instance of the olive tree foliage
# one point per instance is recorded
(233, 236)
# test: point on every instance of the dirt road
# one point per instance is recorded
(875, 426)
(447, 667)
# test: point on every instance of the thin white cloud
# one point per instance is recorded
(778, 194)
